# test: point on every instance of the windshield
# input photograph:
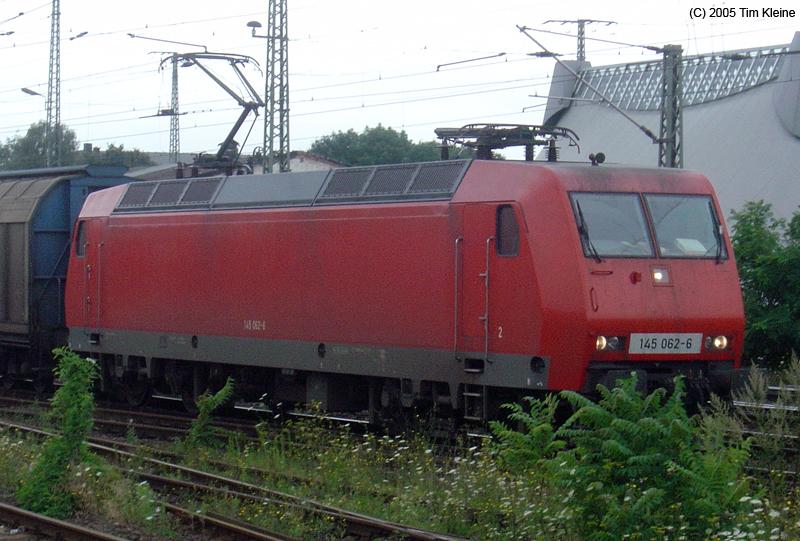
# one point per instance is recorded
(611, 225)
(686, 226)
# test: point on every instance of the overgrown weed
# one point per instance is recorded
(202, 433)
(45, 489)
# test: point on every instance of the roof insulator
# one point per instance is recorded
(552, 151)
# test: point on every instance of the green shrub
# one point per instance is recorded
(45, 490)
(521, 450)
(636, 467)
(202, 432)
(630, 466)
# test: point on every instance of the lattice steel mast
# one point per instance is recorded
(670, 137)
(53, 122)
(581, 55)
(276, 93)
(174, 122)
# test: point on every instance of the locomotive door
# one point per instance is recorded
(88, 242)
(475, 253)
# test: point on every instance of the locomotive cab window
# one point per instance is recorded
(507, 234)
(686, 226)
(80, 240)
(611, 225)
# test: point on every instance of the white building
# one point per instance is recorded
(741, 119)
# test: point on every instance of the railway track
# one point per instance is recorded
(35, 526)
(186, 479)
(145, 423)
(150, 429)
(160, 425)
(768, 414)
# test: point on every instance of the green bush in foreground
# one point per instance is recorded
(45, 490)
(202, 432)
(633, 466)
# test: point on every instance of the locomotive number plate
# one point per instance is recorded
(664, 343)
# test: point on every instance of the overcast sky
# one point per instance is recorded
(351, 63)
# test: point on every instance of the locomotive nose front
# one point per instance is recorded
(663, 291)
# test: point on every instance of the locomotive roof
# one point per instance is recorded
(430, 181)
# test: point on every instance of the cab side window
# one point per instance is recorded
(80, 240)
(507, 233)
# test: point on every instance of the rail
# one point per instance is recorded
(356, 523)
(51, 527)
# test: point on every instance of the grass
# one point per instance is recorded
(98, 489)
(473, 493)
(396, 478)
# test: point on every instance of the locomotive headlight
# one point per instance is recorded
(716, 343)
(607, 343)
(660, 275)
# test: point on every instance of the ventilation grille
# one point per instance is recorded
(169, 194)
(346, 182)
(137, 195)
(438, 178)
(430, 181)
(391, 180)
(434, 180)
(200, 191)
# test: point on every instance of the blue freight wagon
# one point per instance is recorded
(38, 208)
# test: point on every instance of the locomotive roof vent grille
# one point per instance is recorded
(167, 194)
(391, 180)
(437, 177)
(200, 191)
(431, 181)
(347, 182)
(137, 195)
(387, 183)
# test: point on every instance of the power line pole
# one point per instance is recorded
(53, 123)
(670, 140)
(581, 32)
(174, 122)
(276, 94)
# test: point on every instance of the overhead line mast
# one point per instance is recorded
(53, 122)
(581, 32)
(174, 122)
(275, 147)
(670, 137)
(276, 125)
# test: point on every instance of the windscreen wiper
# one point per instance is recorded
(583, 229)
(717, 232)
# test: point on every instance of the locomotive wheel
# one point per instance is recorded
(137, 392)
(42, 385)
(193, 382)
(198, 380)
(189, 403)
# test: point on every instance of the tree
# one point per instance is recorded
(374, 146)
(29, 151)
(115, 155)
(768, 257)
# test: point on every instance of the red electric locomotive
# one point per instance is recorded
(459, 284)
